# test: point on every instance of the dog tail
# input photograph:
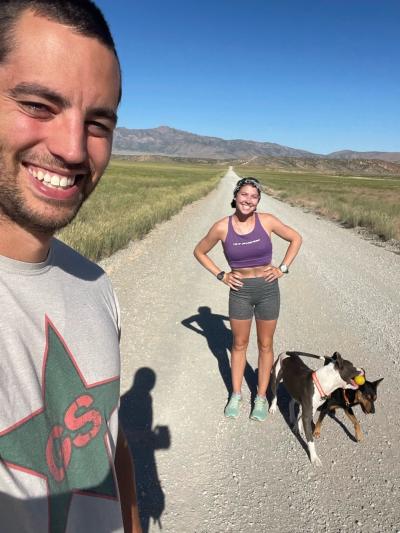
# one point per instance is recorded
(305, 354)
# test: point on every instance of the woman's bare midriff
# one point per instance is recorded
(252, 272)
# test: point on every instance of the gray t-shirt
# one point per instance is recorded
(59, 394)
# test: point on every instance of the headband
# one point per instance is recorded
(247, 181)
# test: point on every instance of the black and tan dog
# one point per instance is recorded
(310, 389)
(345, 399)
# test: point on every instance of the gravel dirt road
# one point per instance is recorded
(200, 473)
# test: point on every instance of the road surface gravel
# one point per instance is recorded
(201, 473)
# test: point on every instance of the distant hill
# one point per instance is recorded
(170, 142)
(394, 157)
(323, 165)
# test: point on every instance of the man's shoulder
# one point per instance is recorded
(73, 263)
(81, 276)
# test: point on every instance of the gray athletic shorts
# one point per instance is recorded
(256, 297)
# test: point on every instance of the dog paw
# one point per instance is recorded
(316, 461)
(316, 434)
(272, 409)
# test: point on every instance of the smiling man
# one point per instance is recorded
(64, 463)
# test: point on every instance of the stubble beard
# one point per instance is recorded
(14, 208)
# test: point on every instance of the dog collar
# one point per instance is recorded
(318, 385)
(345, 398)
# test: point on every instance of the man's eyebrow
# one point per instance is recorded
(104, 112)
(35, 89)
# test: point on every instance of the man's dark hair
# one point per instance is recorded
(83, 16)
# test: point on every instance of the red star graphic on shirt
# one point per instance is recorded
(65, 442)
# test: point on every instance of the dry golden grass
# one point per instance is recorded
(131, 199)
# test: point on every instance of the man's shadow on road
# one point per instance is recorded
(219, 340)
(136, 416)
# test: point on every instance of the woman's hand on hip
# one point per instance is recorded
(272, 273)
(233, 280)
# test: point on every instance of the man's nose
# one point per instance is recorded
(67, 139)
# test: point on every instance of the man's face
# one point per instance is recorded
(58, 97)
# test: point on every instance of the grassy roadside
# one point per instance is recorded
(373, 203)
(131, 198)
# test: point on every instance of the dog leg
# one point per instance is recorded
(306, 420)
(357, 428)
(275, 380)
(315, 460)
(317, 429)
(292, 417)
(295, 421)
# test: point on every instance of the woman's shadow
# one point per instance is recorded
(219, 340)
(136, 416)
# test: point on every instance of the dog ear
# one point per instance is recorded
(337, 359)
(376, 383)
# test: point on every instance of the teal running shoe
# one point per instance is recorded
(233, 406)
(259, 411)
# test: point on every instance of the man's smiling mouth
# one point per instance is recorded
(52, 179)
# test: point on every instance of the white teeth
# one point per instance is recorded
(52, 180)
(55, 180)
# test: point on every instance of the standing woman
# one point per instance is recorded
(253, 282)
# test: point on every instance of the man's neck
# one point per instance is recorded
(21, 244)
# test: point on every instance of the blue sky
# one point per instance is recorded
(321, 75)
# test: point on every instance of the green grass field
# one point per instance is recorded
(373, 203)
(131, 198)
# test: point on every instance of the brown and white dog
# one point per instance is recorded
(310, 388)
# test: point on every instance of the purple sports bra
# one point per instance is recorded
(250, 250)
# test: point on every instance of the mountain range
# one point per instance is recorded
(172, 142)
(166, 141)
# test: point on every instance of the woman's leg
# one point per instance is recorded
(241, 332)
(265, 338)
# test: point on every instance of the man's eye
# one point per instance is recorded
(98, 129)
(36, 109)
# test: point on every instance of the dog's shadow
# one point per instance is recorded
(341, 424)
(283, 399)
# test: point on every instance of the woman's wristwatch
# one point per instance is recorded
(284, 268)
(221, 275)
